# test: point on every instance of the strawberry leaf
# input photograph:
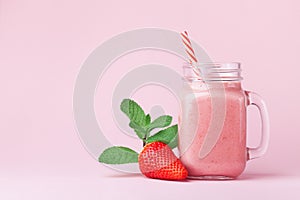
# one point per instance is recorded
(168, 136)
(160, 122)
(118, 155)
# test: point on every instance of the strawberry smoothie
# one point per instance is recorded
(212, 134)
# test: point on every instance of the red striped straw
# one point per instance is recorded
(190, 51)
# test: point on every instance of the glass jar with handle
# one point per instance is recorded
(212, 134)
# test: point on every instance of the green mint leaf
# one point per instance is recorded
(139, 130)
(160, 122)
(148, 119)
(141, 135)
(133, 111)
(118, 155)
(174, 142)
(168, 136)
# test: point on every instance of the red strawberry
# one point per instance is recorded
(157, 160)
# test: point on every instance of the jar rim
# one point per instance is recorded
(213, 71)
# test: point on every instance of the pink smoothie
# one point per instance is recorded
(228, 155)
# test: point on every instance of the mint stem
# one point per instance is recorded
(145, 138)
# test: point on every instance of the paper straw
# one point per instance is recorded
(190, 51)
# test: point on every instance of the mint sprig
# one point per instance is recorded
(142, 126)
(141, 123)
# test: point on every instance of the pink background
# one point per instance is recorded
(42, 46)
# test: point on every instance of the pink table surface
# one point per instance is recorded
(122, 186)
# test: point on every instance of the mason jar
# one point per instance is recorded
(212, 123)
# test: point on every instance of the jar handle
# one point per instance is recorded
(256, 100)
